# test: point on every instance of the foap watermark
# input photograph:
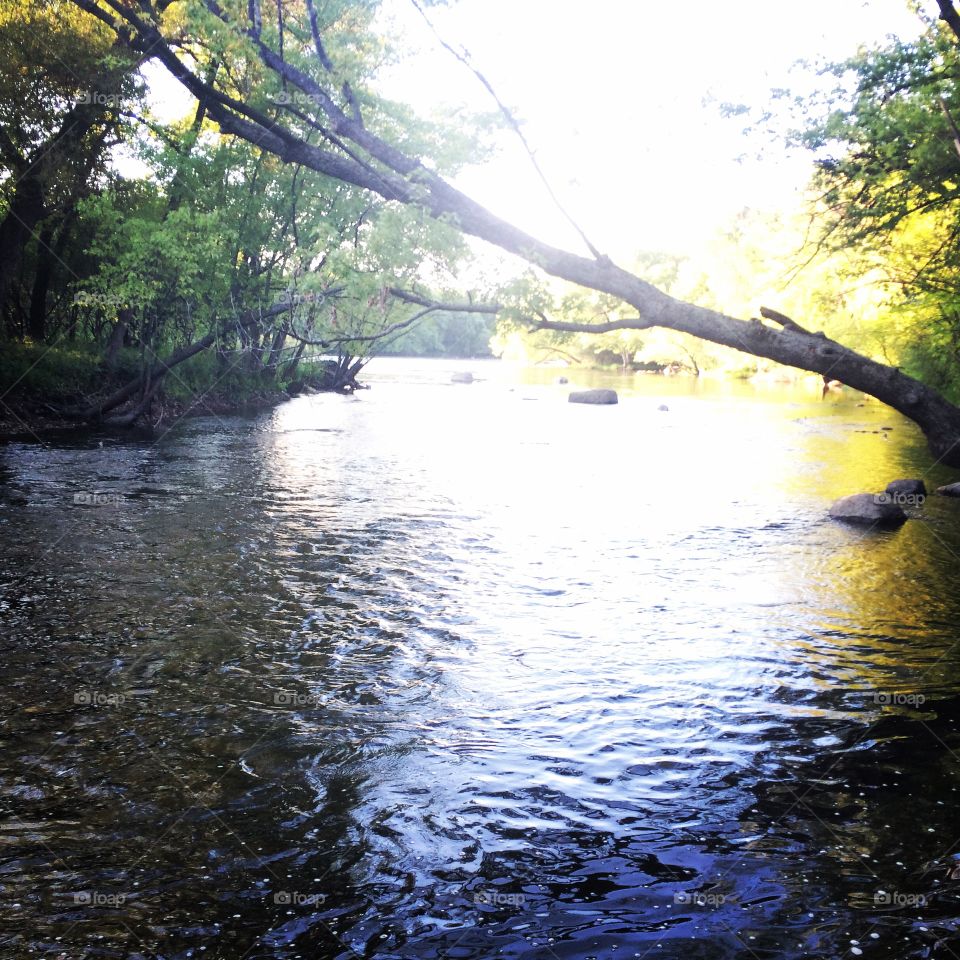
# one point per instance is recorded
(294, 298)
(298, 98)
(497, 898)
(890, 699)
(100, 98)
(98, 698)
(293, 698)
(88, 298)
(893, 898)
(696, 898)
(97, 898)
(96, 498)
(900, 499)
(294, 898)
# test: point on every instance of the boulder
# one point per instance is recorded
(950, 490)
(907, 488)
(868, 508)
(462, 376)
(562, 380)
(593, 396)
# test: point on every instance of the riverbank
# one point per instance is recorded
(37, 384)
(19, 422)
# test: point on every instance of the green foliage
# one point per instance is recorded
(888, 198)
(219, 231)
(208, 376)
(37, 91)
(164, 268)
(935, 358)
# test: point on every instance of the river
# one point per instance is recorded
(466, 671)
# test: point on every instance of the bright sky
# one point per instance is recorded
(619, 100)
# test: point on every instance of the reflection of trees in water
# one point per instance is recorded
(884, 622)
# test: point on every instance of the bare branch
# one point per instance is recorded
(430, 306)
(463, 57)
(327, 63)
(634, 323)
(783, 320)
(363, 338)
(408, 296)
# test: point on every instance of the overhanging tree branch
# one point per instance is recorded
(430, 306)
(611, 326)
(363, 338)
(409, 296)
(406, 179)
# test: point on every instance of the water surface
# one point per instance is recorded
(448, 671)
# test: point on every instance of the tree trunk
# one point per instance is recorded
(291, 368)
(345, 373)
(276, 349)
(37, 322)
(25, 213)
(116, 339)
(45, 165)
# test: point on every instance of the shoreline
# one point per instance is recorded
(33, 422)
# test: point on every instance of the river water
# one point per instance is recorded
(465, 671)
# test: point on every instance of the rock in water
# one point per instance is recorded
(950, 490)
(869, 509)
(462, 377)
(907, 488)
(593, 396)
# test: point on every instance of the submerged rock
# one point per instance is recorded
(868, 508)
(593, 396)
(462, 376)
(907, 488)
(950, 490)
